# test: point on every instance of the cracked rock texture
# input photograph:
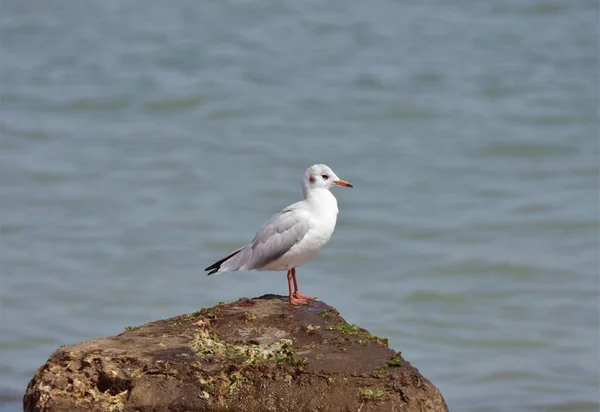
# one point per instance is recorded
(256, 354)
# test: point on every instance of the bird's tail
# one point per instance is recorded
(216, 267)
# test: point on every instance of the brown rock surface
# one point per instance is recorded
(251, 355)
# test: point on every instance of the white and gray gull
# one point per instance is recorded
(293, 236)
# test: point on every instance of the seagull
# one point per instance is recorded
(293, 236)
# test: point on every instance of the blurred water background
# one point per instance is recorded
(142, 140)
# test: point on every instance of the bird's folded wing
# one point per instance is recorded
(284, 230)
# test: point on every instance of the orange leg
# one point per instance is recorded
(297, 293)
(294, 299)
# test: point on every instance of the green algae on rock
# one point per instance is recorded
(257, 354)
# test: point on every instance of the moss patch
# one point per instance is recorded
(396, 361)
(380, 372)
(327, 314)
(346, 329)
(249, 317)
(222, 384)
(372, 394)
(239, 361)
(349, 329)
(209, 314)
(210, 345)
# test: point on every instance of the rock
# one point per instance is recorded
(251, 355)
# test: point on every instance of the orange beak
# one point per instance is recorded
(342, 183)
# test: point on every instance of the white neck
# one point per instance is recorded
(323, 201)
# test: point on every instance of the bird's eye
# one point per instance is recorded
(325, 177)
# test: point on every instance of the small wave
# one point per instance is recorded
(521, 149)
(171, 105)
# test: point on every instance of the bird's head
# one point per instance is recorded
(321, 177)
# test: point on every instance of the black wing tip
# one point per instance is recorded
(215, 267)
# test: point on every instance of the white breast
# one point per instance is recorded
(321, 212)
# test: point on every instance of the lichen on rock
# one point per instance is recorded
(250, 355)
(209, 345)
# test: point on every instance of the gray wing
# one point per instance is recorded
(276, 237)
(284, 230)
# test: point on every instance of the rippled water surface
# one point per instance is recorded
(143, 140)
